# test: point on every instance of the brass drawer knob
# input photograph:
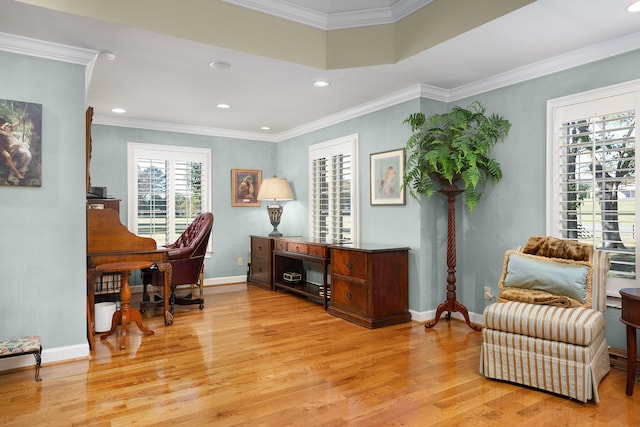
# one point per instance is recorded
(349, 265)
(349, 295)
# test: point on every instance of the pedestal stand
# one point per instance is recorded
(451, 304)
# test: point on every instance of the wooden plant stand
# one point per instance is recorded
(451, 304)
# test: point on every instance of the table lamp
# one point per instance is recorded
(275, 189)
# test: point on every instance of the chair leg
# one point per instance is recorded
(201, 284)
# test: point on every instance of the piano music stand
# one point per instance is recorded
(126, 314)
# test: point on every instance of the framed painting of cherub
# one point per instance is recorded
(20, 143)
(245, 184)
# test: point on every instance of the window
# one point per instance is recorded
(333, 190)
(168, 188)
(591, 169)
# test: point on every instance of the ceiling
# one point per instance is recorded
(162, 77)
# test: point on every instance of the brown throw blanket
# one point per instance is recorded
(553, 247)
(533, 296)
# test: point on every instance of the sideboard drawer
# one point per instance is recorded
(260, 248)
(349, 263)
(316, 250)
(349, 294)
(297, 248)
(260, 269)
(281, 245)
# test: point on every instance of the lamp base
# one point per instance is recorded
(275, 213)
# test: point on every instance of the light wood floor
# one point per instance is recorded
(257, 358)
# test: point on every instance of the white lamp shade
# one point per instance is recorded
(275, 189)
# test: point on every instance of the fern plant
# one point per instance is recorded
(454, 146)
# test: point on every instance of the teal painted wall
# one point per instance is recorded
(232, 225)
(42, 231)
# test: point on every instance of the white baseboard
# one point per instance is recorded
(216, 281)
(49, 355)
(423, 316)
(225, 280)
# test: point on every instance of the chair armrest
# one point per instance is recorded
(179, 253)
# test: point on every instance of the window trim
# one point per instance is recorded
(136, 150)
(332, 147)
(630, 88)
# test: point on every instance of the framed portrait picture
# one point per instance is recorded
(387, 169)
(245, 184)
(20, 143)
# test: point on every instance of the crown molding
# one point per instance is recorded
(42, 49)
(351, 113)
(181, 128)
(334, 20)
(558, 63)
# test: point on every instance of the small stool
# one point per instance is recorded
(126, 314)
(21, 346)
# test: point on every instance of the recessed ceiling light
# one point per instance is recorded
(634, 7)
(321, 83)
(109, 56)
(219, 65)
(119, 110)
(265, 128)
(223, 106)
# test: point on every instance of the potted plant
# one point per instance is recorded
(454, 146)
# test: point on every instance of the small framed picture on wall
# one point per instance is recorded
(387, 169)
(245, 184)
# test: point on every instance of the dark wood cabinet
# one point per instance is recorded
(370, 286)
(260, 273)
(367, 285)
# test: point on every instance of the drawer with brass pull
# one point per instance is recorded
(349, 294)
(350, 263)
(316, 250)
(296, 248)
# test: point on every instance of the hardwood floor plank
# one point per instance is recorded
(259, 358)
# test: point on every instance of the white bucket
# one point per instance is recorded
(104, 313)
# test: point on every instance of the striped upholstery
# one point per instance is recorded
(576, 325)
(557, 349)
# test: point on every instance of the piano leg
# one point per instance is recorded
(126, 314)
(166, 269)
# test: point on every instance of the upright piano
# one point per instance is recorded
(109, 241)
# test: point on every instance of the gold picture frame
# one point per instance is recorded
(245, 184)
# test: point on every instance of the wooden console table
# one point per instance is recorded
(288, 256)
(368, 285)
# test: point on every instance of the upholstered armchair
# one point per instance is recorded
(186, 256)
(547, 329)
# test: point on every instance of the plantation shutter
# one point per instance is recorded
(152, 199)
(332, 192)
(596, 181)
(320, 199)
(171, 190)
